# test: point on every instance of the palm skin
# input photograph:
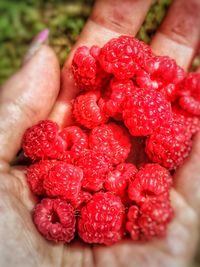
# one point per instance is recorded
(29, 248)
(21, 245)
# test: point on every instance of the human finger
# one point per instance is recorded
(27, 97)
(179, 34)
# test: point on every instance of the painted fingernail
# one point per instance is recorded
(40, 39)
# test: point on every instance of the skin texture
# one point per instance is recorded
(29, 97)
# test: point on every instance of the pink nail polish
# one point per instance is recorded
(42, 36)
(40, 39)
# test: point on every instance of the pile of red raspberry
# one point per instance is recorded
(109, 175)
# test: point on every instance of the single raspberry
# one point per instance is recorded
(101, 220)
(95, 165)
(115, 96)
(76, 140)
(190, 94)
(150, 220)
(161, 73)
(82, 198)
(42, 141)
(169, 146)
(63, 180)
(145, 111)
(117, 180)
(88, 110)
(123, 56)
(112, 139)
(55, 220)
(152, 180)
(35, 174)
(87, 71)
(191, 122)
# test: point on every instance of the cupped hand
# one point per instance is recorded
(31, 95)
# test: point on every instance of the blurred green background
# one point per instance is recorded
(21, 20)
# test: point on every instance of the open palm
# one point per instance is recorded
(31, 95)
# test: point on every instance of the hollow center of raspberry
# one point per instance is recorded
(148, 193)
(55, 218)
(70, 143)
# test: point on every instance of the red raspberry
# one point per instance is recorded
(150, 220)
(64, 181)
(150, 181)
(95, 165)
(87, 72)
(169, 146)
(123, 56)
(88, 110)
(191, 123)
(55, 220)
(155, 216)
(159, 210)
(82, 198)
(115, 96)
(190, 94)
(163, 74)
(117, 179)
(101, 220)
(42, 141)
(112, 139)
(35, 175)
(76, 140)
(132, 224)
(145, 111)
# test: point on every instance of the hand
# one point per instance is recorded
(30, 96)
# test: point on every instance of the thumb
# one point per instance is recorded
(27, 97)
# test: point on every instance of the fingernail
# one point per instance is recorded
(40, 39)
